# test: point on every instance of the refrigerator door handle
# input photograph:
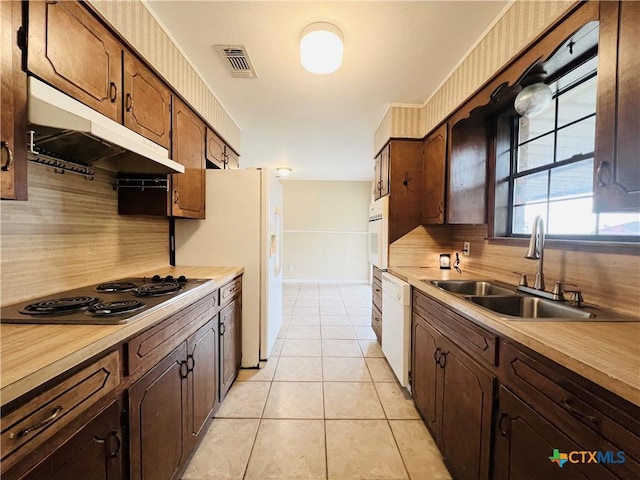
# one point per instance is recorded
(277, 238)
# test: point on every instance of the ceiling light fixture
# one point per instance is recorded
(533, 99)
(321, 48)
(283, 171)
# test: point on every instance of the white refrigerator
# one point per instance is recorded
(243, 228)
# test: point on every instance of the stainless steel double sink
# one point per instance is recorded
(505, 300)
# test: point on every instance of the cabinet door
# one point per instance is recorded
(617, 162)
(158, 419)
(467, 190)
(92, 453)
(524, 441)
(229, 346)
(147, 102)
(425, 373)
(13, 115)
(203, 381)
(467, 398)
(377, 184)
(70, 49)
(232, 158)
(385, 167)
(215, 149)
(188, 188)
(434, 160)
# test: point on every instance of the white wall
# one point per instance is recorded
(325, 231)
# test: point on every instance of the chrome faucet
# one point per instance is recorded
(536, 251)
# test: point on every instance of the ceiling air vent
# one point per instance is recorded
(237, 60)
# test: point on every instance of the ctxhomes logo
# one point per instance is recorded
(582, 456)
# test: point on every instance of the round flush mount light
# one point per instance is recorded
(283, 171)
(321, 48)
(533, 99)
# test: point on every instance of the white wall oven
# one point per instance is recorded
(379, 233)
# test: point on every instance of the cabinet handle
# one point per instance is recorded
(223, 329)
(441, 208)
(9, 161)
(442, 360)
(600, 176)
(186, 370)
(436, 355)
(118, 444)
(113, 92)
(129, 102)
(47, 421)
(565, 402)
(378, 290)
(193, 363)
(176, 197)
(503, 431)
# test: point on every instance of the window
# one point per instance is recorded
(551, 172)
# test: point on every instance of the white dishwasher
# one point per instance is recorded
(396, 326)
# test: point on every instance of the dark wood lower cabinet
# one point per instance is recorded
(454, 395)
(424, 372)
(158, 419)
(525, 440)
(230, 345)
(93, 453)
(203, 379)
(467, 407)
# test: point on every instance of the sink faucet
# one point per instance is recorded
(536, 250)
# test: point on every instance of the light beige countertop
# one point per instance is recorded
(607, 353)
(34, 354)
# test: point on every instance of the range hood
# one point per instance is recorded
(65, 128)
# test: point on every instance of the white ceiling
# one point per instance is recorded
(322, 126)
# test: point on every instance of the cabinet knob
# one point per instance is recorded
(7, 156)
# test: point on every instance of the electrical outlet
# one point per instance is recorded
(466, 248)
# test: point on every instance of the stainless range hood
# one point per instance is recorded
(66, 128)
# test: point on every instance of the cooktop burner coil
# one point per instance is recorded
(156, 289)
(59, 305)
(117, 307)
(111, 287)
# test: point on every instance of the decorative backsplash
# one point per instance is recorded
(511, 33)
(138, 26)
(69, 234)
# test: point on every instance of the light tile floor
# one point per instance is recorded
(325, 406)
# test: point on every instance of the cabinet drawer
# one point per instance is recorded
(475, 340)
(377, 293)
(230, 290)
(377, 274)
(151, 346)
(35, 422)
(376, 322)
(592, 417)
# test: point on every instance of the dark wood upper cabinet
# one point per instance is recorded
(214, 150)
(467, 185)
(434, 164)
(147, 102)
(13, 114)
(70, 49)
(617, 157)
(188, 148)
